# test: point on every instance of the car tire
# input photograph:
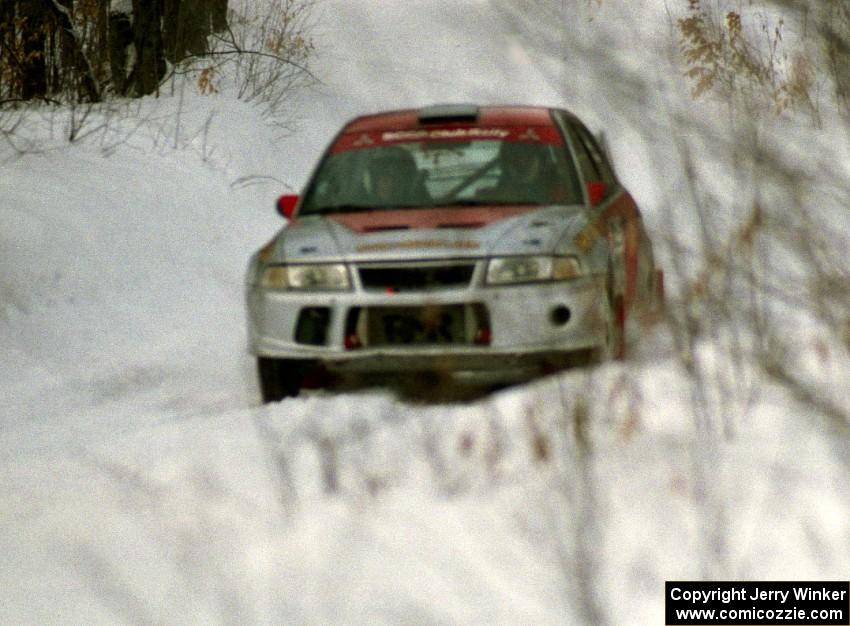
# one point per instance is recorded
(279, 378)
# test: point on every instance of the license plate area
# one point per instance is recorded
(429, 325)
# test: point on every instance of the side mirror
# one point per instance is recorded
(596, 191)
(286, 205)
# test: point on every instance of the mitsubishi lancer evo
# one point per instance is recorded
(489, 242)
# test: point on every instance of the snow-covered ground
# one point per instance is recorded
(142, 482)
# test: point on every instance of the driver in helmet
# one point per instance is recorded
(524, 176)
(393, 177)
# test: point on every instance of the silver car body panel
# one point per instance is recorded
(526, 320)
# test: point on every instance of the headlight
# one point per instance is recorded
(532, 269)
(306, 277)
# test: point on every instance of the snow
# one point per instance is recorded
(143, 482)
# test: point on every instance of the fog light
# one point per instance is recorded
(560, 315)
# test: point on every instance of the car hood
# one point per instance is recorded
(427, 234)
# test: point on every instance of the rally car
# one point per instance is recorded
(478, 241)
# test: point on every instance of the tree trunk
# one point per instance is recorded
(119, 41)
(101, 55)
(63, 62)
(33, 68)
(147, 39)
(72, 58)
(218, 11)
(8, 64)
(188, 24)
(195, 16)
(171, 29)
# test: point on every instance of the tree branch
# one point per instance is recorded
(237, 51)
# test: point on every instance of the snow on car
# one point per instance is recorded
(482, 241)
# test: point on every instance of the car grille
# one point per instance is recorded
(416, 277)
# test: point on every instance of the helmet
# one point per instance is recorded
(520, 162)
(395, 162)
(390, 174)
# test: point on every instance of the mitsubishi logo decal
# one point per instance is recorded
(529, 135)
(363, 140)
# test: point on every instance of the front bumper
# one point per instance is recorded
(527, 326)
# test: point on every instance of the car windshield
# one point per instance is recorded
(420, 174)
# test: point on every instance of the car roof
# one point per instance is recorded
(412, 119)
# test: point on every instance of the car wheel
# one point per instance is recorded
(279, 378)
